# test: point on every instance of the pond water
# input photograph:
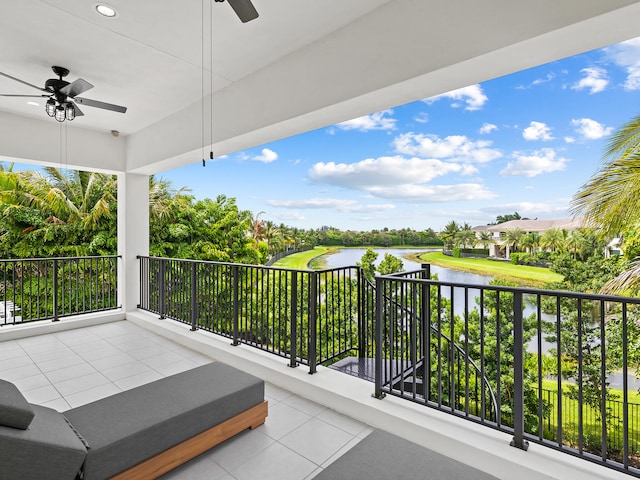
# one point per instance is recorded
(349, 256)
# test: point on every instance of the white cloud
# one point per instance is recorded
(267, 156)
(374, 172)
(421, 117)
(569, 140)
(375, 121)
(397, 178)
(291, 217)
(537, 131)
(541, 161)
(472, 96)
(590, 129)
(341, 205)
(456, 148)
(538, 81)
(434, 193)
(595, 80)
(487, 128)
(627, 55)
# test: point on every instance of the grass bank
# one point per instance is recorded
(521, 274)
(303, 260)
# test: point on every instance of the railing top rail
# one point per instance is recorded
(248, 265)
(523, 290)
(9, 260)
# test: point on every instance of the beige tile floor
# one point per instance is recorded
(66, 369)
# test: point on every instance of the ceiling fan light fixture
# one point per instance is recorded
(70, 111)
(50, 107)
(60, 113)
(105, 10)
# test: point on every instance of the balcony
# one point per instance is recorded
(81, 358)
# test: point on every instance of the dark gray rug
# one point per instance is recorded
(383, 456)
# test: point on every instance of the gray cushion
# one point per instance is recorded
(48, 449)
(383, 456)
(132, 426)
(15, 411)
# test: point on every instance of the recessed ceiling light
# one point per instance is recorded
(105, 10)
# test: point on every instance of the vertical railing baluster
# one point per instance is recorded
(579, 380)
(603, 382)
(518, 374)
(425, 320)
(379, 339)
(235, 279)
(162, 289)
(293, 320)
(194, 297)
(55, 291)
(625, 389)
(313, 322)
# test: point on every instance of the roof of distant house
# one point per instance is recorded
(535, 225)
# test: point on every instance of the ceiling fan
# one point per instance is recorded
(243, 8)
(63, 100)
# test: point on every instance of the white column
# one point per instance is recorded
(133, 235)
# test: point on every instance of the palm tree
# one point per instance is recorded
(164, 201)
(552, 239)
(575, 241)
(466, 237)
(257, 229)
(610, 200)
(449, 233)
(271, 234)
(485, 239)
(512, 239)
(530, 241)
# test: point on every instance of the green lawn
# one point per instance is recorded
(301, 260)
(592, 424)
(521, 274)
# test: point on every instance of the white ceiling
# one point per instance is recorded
(149, 57)
(301, 64)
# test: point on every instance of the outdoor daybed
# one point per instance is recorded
(136, 434)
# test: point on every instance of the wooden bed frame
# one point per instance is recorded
(183, 452)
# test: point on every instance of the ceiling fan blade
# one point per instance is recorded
(76, 87)
(76, 108)
(244, 9)
(95, 103)
(27, 96)
(22, 81)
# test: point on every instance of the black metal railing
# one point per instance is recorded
(308, 317)
(50, 288)
(512, 346)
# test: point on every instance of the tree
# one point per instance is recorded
(367, 264)
(610, 200)
(60, 214)
(466, 237)
(508, 217)
(257, 229)
(486, 238)
(530, 241)
(574, 242)
(552, 239)
(512, 239)
(390, 264)
(449, 233)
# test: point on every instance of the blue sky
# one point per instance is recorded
(525, 142)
